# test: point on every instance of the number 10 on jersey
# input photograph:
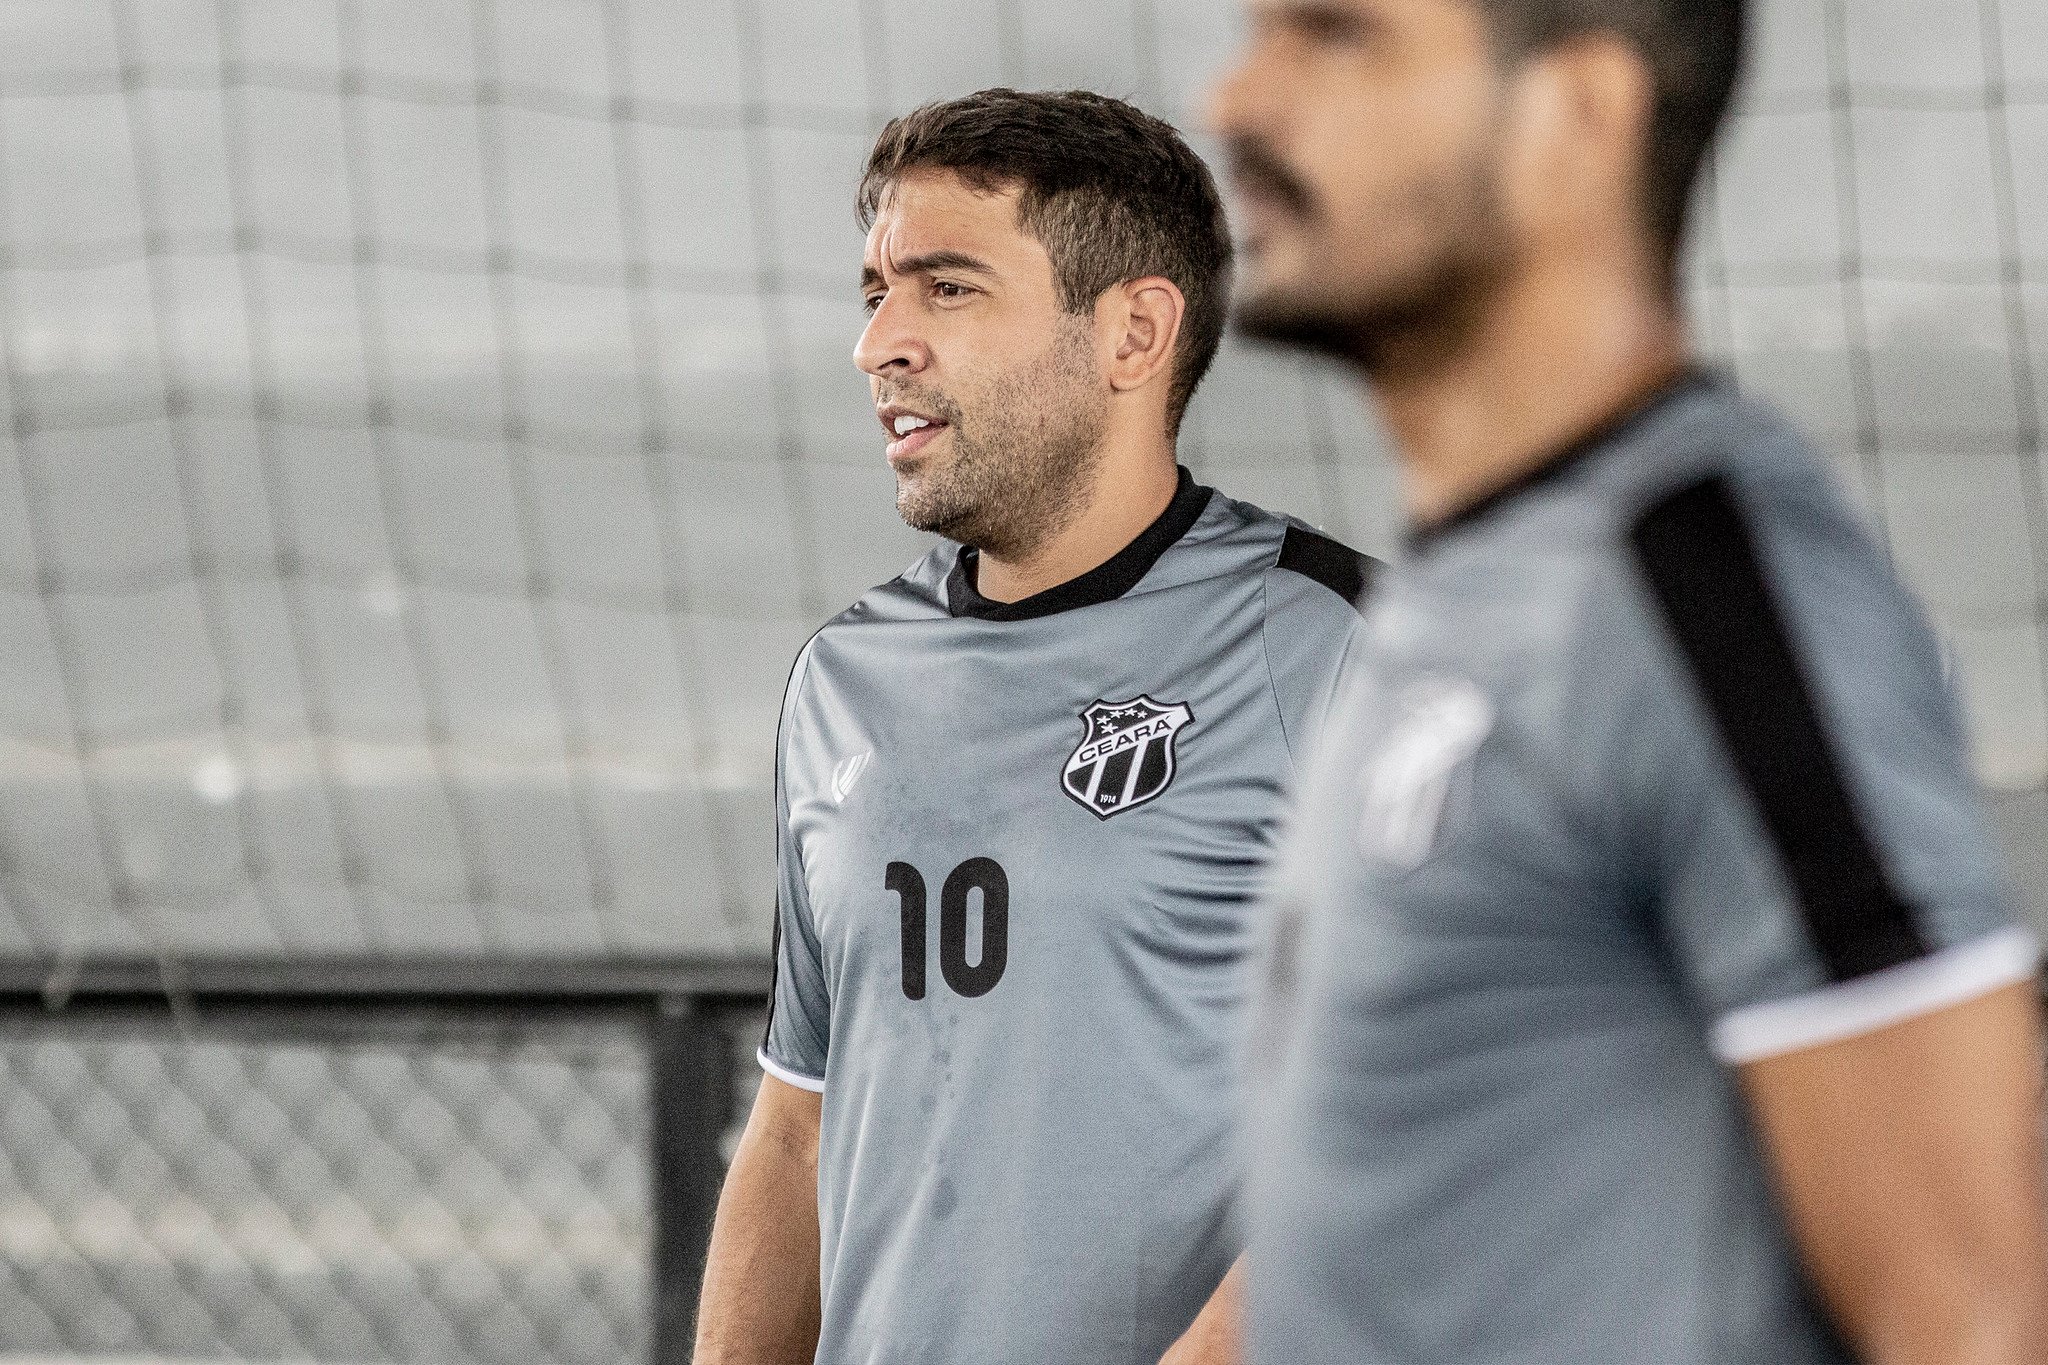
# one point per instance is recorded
(969, 979)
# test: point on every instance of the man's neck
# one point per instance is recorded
(1132, 486)
(1555, 358)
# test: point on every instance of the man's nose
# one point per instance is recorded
(1236, 101)
(890, 344)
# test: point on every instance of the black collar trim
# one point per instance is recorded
(1421, 537)
(1104, 583)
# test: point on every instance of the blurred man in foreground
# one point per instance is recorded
(1649, 988)
(1026, 791)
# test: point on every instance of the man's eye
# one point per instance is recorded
(1327, 25)
(946, 289)
(871, 303)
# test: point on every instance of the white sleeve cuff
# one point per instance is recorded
(1868, 1003)
(814, 1084)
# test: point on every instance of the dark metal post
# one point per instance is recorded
(690, 1085)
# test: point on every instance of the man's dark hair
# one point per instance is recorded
(1694, 52)
(1112, 193)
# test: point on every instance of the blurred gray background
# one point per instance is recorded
(433, 430)
(430, 433)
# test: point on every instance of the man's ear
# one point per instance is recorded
(1585, 109)
(1139, 321)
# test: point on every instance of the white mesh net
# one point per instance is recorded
(430, 428)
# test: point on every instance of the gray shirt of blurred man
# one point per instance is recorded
(1646, 988)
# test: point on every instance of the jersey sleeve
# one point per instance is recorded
(799, 1034)
(1312, 629)
(1820, 864)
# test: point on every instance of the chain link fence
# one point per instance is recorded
(368, 1181)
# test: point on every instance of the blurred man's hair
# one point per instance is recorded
(1112, 193)
(1693, 49)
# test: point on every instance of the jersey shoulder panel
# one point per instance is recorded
(918, 593)
(1315, 590)
(1263, 541)
(1782, 662)
(1229, 539)
(1698, 553)
(1714, 431)
(1309, 586)
(1330, 563)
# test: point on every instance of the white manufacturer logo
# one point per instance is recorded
(1440, 723)
(847, 772)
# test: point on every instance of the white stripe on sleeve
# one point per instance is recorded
(1868, 1003)
(814, 1084)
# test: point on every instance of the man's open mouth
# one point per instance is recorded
(909, 432)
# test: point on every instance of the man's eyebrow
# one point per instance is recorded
(1321, 15)
(931, 263)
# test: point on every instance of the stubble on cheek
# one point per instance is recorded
(1401, 278)
(1017, 470)
(928, 492)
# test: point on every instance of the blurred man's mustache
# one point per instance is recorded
(1255, 167)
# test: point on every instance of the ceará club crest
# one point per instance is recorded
(1126, 755)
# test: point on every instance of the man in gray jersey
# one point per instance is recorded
(1650, 990)
(1025, 791)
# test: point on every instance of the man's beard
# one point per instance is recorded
(1422, 314)
(1024, 462)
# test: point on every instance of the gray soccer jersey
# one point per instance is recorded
(1019, 845)
(1648, 771)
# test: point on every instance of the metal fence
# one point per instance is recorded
(361, 1176)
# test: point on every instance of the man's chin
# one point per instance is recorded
(1381, 336)
(914, 484)
(1289, 318)
(921, 511)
